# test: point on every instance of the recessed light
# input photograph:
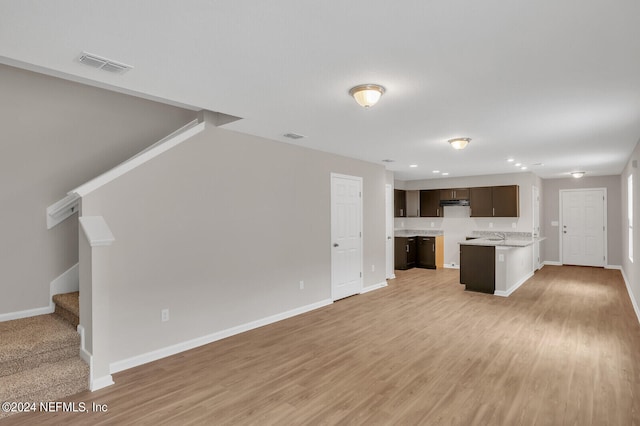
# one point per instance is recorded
(436, 171)
(518, 164)
(511, 160)
(523, 168)
(445, 174)
(413, 165)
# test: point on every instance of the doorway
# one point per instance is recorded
(346, 236)
(583, 238)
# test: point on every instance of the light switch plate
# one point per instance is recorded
(554, 223)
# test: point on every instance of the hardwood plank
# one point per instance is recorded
(562, 349)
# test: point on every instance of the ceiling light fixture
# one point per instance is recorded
(510, 160)
(413, 165)
(445, 174)
(577, 175)
(518, 164)
(367, 95)
(436, 171)
(459, 143)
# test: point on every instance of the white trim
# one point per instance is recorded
(613, 267)
(182, 134)
(100, 382)
(97, 231)
(392, 277)
(137, 360)
(84, 354)
(551, 263)
(26, 313)
(373, 287)
(451, 266)
(67, 282)
(514, 287)
(636, 308)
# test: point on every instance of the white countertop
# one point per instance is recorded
(418, 232)
(509, 242)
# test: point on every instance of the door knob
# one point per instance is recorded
(388, 238)
(336, 245)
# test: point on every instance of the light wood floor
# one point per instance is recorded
(562, 350)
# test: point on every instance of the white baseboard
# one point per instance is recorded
(451, 266)
(392, 277)
(551, 263)
(373, 287)
(613, 267)
(514, 287)
(100, 382)
(137, 360)
(67, 282)
(634, 302)
(25, 314)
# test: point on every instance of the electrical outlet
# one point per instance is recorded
(301, 285)
(490, 224)
(165, 315)
(501, 258)
(373, 268)
(513, 225)
(433, 224)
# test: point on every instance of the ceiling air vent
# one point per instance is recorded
(105, 64)
(293, 136)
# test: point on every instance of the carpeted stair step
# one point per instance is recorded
(68, 307)
(47, 382)
(29, 342)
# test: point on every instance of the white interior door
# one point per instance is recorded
(346, 236)
(389, 235)
(583, 227)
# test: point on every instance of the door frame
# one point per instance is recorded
(535, 195)
(332, 221)
(604, 220)
(389, 225)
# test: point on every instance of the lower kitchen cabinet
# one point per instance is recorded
(478, 268)
(420, 251)
(405, 252)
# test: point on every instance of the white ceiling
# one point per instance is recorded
(547, 81)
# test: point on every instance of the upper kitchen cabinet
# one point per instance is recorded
(413, 203)
(506, 201)
(454, 194)
(495, 201)
(430, 203)
(481, 201)
(400, 203)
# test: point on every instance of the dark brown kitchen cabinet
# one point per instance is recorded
(400, 202)
(505, 201)
(413, 203)
(481, 201)
(405, 252)
(426, 252)
(495, 201)
(478, 268)
(430, 203)
(454, 194)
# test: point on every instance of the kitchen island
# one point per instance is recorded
(497, 263)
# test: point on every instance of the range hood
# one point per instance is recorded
(454, 202)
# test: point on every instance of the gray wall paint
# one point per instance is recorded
(551, 212)
(57, 135)
(631, 269)
(220, 230)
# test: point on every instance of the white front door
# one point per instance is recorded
(389, 242)
(583, 227)
(346, 236)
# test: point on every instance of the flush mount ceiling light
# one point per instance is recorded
(577, 175)
(367, 95)
(459, 143)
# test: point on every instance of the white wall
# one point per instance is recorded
(456, 222)
(57, 135)
(220, 230)
(631, 269)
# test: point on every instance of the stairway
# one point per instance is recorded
(39, 356)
